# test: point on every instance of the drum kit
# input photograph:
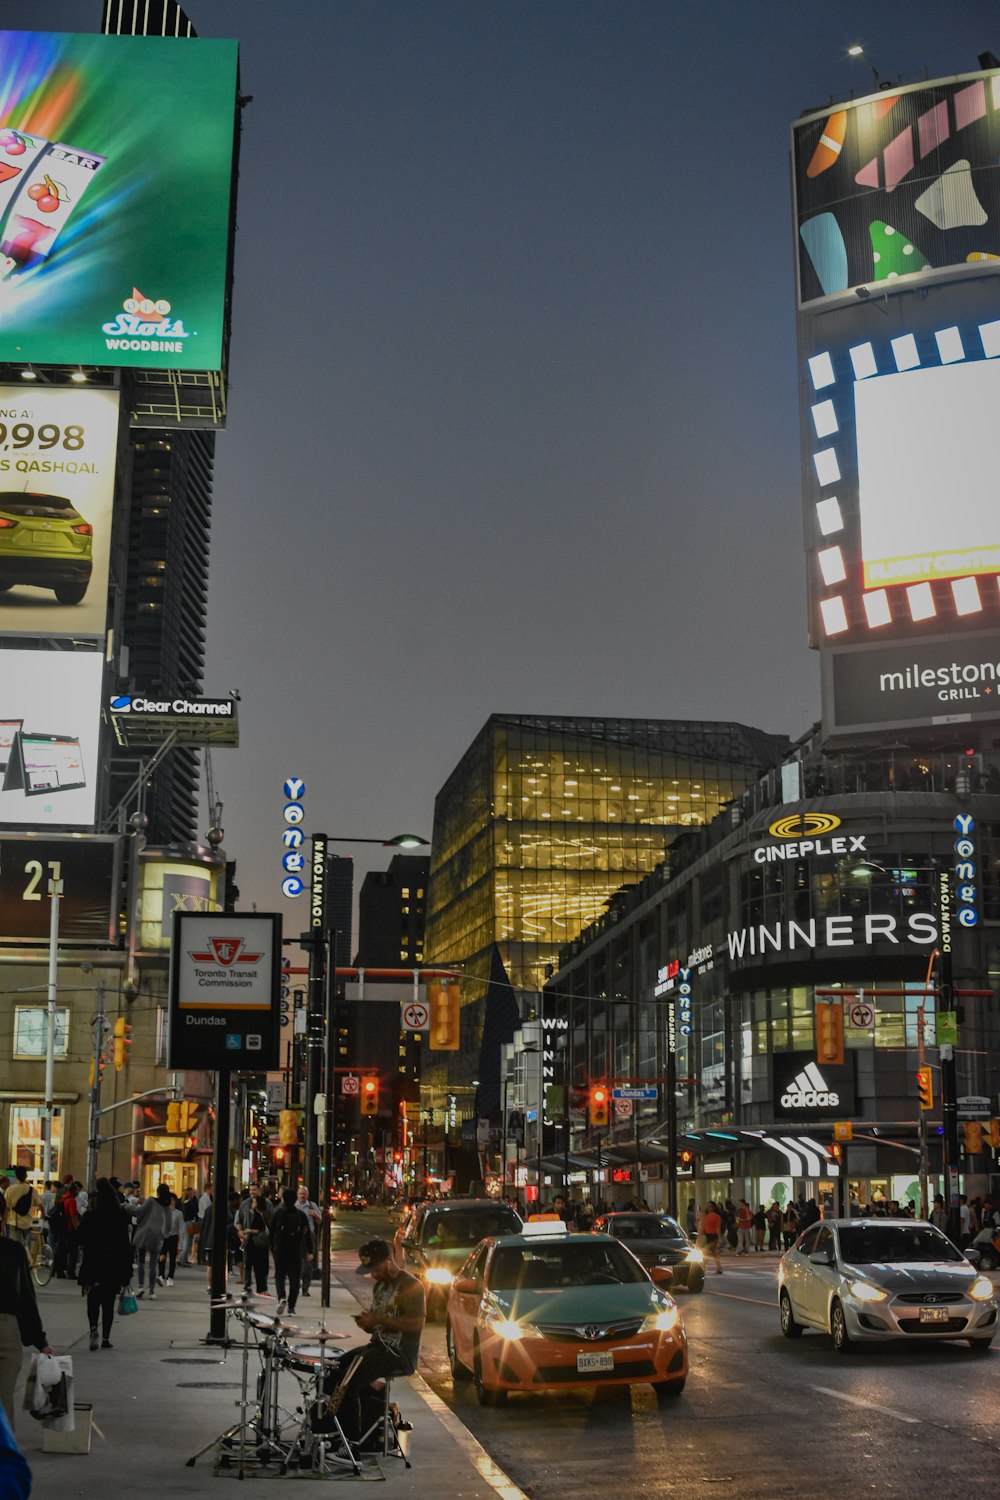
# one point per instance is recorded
(269, 1435)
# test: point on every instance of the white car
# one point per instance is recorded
(868, 1280)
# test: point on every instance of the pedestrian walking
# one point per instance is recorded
(105, 1260)
(189, 1235)
(171, 1244)
(759, 1228)
(20, 1324)
(251, 1222)
(789, 1226)
(204, 1204)
(21, 1202)
(291, 1242)
(774, 1226)
(744, 1225)
(69, 1231)
(711, 1229)
(147, 1241)
(306, 1206)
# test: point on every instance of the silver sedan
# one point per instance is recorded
(864, 1280)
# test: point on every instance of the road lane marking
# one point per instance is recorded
(885, 1411)
(735, 1297)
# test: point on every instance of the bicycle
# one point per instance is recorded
(40, 1256)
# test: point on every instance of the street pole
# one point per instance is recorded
(315, 1007)
(426, 1113)
(921, 1114)
(217, 1333)
(671, 1109)
(55, 894)
(326, 1206)
(93, 1132)
(638, 1146)
(949, 1091)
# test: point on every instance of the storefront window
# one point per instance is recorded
(26, 1149)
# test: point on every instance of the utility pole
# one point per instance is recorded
(315, 941)
(93, 1132)
(55, 894)
(949, 1091)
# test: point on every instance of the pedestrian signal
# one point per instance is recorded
(288, 1127)
(973, 1137)
(993, 1131)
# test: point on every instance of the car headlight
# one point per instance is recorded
(438, 1276)
(507, 1328)
(695, 1256)
(863, 1291)
(981, 1288)
(663, 1321)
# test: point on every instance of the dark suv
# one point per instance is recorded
(440, 1234)
(657, 1240)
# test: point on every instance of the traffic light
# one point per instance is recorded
(288, 1127)
(973, 1137)
(685, 1159)
(369, 1096)
(599, 1105)
(122, 1042)
(445, 1001)
(925, 1088)
(836, 1151)
(829, 1033)
(90, 1075)
(174, 1118)
(188, 1116)
(993, 1131)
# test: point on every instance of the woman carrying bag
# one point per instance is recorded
(151, 1223)
(106, 1259)
(253, 1224)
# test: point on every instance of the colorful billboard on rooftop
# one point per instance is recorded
(115, 183)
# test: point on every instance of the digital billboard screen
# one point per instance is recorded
(50, 704)
(115, 183)
(899, 185)
(57, 473)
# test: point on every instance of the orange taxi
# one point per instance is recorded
(545, 1309)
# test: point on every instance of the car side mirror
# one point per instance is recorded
(465, 1286)
(974, 1257)
(661, 1275)
(821, 1258)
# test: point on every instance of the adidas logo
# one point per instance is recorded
(809, 1091)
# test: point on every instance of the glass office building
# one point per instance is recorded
(544, 819)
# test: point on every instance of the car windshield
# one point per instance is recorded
(895, 1244)
(460, 1229)
(17, 503)
(646, 1227)
(517, 1267)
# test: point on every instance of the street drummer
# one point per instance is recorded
(395, 1322)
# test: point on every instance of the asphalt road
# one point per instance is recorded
(766, 1416)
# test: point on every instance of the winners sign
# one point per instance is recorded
(224, 991)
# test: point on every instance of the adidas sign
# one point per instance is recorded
(808, 1090)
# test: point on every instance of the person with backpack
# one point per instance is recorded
(151, 1228)
(67, 1216)
(291, 1240)
(21, 1200)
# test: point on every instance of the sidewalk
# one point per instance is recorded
(161, 1394)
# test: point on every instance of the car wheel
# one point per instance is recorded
(70, 593)
(838, 1328)
(669, 1390)
(980, 1346)
(487, 1395)
(696, 1283)
(789, 1327)
(458, 1370)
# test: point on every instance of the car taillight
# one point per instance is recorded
(84, 529)
(6, 525)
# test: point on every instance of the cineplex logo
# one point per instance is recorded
(808, 1090)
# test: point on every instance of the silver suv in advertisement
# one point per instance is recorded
(868, 1280)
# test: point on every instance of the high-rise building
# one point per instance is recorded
(545, 818)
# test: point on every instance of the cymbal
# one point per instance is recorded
(304, 1335)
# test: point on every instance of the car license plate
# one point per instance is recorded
(585, 1363)
(933, 1315)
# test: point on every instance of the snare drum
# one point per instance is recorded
(310, 1359)
(261, 1321)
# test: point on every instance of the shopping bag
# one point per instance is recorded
(52, 1397)
(127, 1301)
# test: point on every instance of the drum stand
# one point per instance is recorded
(323, 1452)
(235, 1436)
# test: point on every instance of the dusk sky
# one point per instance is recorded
(513, 406)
